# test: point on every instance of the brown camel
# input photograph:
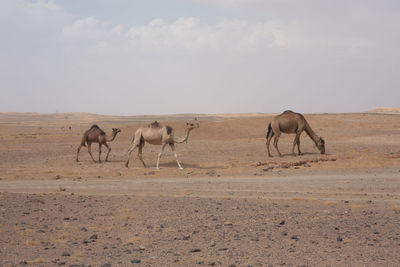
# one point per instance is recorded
(97, 135)
(157, 134)
(292, 122)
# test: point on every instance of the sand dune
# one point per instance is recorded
(385, 110)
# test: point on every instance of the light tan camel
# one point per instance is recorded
(97, 135)
(156, 134)
(292, 122)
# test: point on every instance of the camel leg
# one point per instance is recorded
(140, 155)
(89, 148)
(109, 150)
(176, 156)
(276, 139)
(129, 153)
(159, 155)
(296, 141)
(298, 145)
(77, 153)
(268, 142)
(99, 152)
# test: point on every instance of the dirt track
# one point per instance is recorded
(231, 206)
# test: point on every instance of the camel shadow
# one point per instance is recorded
(284, 155)
(172, 164)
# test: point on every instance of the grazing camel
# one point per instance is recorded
(291, 122)
(97, 135)
(157, 134)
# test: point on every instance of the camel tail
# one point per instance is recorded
(83, 143)
(269, 130)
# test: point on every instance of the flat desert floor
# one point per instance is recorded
(230, 206)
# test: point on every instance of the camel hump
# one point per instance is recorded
(95, 126)
(169, 129)
(154, 124)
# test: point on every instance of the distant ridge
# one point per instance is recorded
(385, 110)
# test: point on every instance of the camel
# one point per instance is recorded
(291, 122)
(154, 124)
(157, 134)
(97, 135)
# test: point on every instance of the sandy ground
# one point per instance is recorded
(231, 206)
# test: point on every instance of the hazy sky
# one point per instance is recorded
(199, 56)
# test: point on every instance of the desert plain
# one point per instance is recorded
(232, 205)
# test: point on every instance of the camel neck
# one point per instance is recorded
(185, 137)
(111, 138)
(311, 133)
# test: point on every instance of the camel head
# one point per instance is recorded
(116, 130)
(321, 145)
(192, 125)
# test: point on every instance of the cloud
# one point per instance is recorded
(186, 33)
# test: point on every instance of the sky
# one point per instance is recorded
(128, 57)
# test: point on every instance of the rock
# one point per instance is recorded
(339, 239)
(93, 236)
(65, 254)
(212, 244)
(282, 222)
(210, 173)
(83, 229)
(105, 265)
(195, 250)
(307, 165)
(295, 237)
(136, 261)
(57, 177)
(268, 168)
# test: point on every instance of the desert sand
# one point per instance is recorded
(230, 206)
